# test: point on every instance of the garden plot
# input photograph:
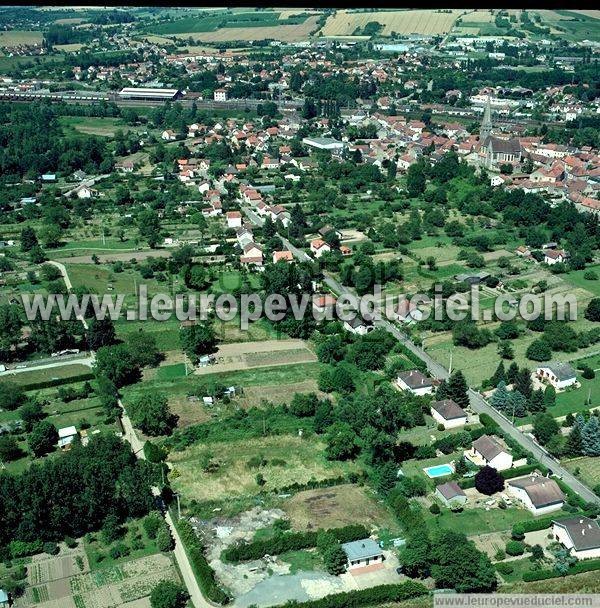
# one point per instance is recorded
(246, 355)
(335, 507)
(110, 587)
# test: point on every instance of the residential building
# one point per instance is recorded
(415, 382)
(359, 326)
(559, 375)
(539, 494)
(66, 436)
(234, 219)
(580, 535)
(486, 451)
(554, 256)
(448, 413)
(318, 247)
(220, 95)
(451, 494)
(362, 553)
(286, 256)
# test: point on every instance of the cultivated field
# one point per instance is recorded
(345, 23)
(18, 37)
(72, 586)
(246, 355)
(336, 506)
(588, 468)
(285, 33)
(289, 459)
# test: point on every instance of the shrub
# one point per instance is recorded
(515, 547)
(51, 548)
(119, 550)
(70, 542)
(19, 548)
(289, 542)
(204, 574)
(435, 509)
(505, 568)
(164, 540)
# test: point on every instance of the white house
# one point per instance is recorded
(234, 219)
(554, 256)
(580, 535)
(539, 494)
(559, 375)
(169, 135)
(451, 494)
(318, 247)
(220, 95)
(486, 451)
(84, 192)
(415, 382)
(358, 326)
(448, 413)
(362, 553)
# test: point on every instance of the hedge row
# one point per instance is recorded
(293, 541)
(35, 386)
(205, 575)
(323, 483)
(383, 594)
(542, 575)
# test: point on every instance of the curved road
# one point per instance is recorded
(477, 402)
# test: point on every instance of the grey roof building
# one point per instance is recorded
(583, 532)
(361, 550)
(448, 409)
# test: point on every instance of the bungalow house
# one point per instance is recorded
(345, 250)
(325, 230)
(448, 413)
(554, 256)
(451, 494)
(415, 382)
(523, 251)
(580, 535)
(539, 494)
(318, 247)
(234, 219)
(252, 250)
(168, 135)
(559, 375)
(359, 326)
(362, 553)
(486, 451)
(286, 256)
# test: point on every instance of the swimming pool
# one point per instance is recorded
(439, 470)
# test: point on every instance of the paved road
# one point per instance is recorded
(477, 402)
(69, 285)
(49, 364)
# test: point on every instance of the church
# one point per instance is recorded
(495, 150)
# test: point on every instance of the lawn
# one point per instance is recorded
(478, 521)
(302, 561)
(520, 566)
(27, 378)
(12, 38)
(290, 459)
(166, 333)
(589, 469)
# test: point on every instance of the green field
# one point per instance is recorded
(43, 375)
(589, 469)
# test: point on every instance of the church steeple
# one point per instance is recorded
(486, 124)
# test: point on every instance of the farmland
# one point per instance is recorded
(19, 37)
(405, 22)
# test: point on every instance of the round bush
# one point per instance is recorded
(504, 568)
(435, 509)
(515, 547)
(51, 548)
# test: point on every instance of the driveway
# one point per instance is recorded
(300, 587)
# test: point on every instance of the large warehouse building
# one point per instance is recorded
(142, 93)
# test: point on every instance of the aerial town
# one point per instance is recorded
(287, 167)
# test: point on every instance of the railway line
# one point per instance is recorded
(94, 98)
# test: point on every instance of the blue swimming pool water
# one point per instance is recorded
(440, 470)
